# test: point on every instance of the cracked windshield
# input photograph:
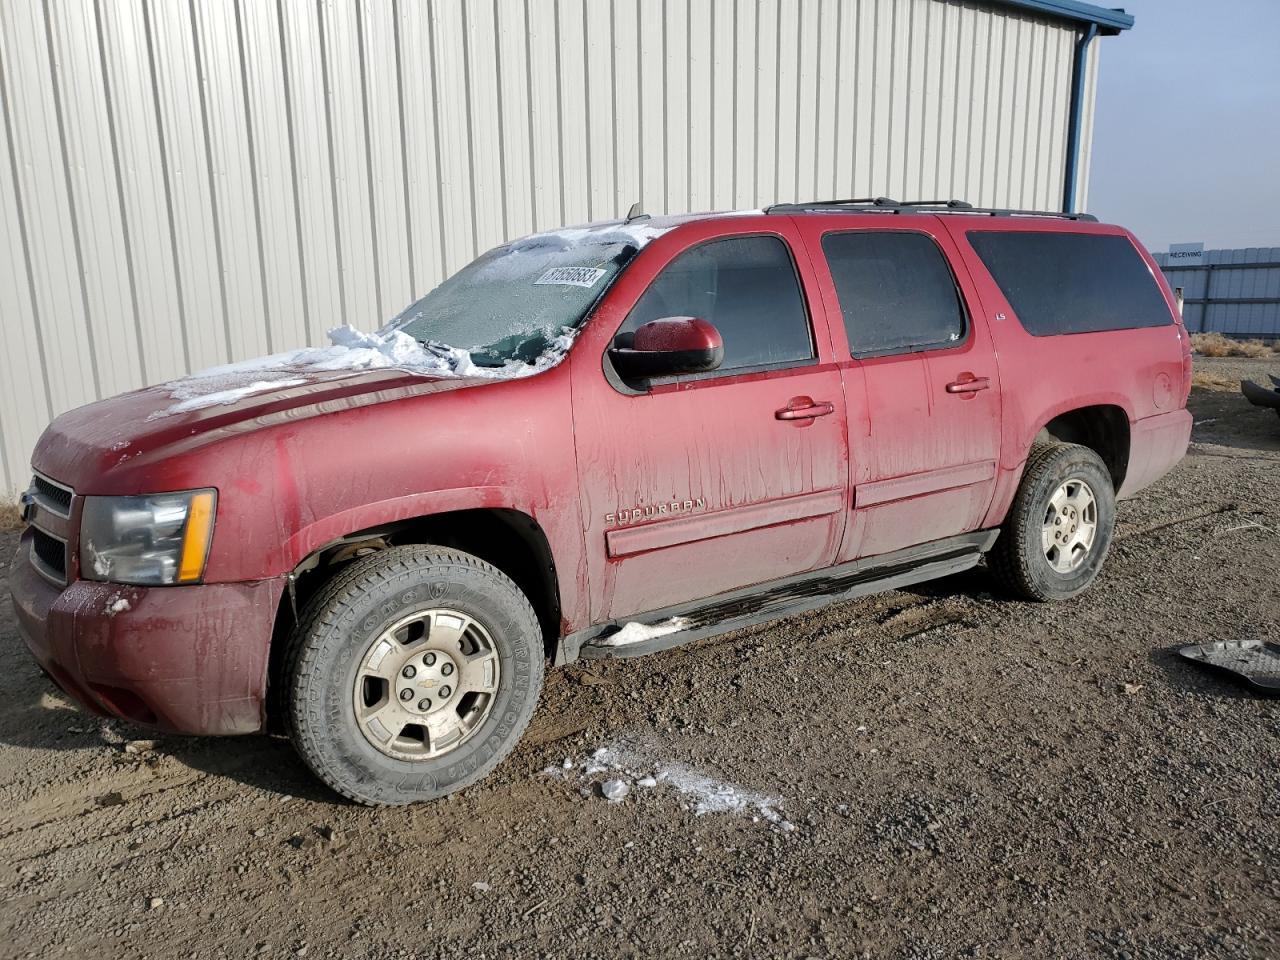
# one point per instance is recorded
(516, 301)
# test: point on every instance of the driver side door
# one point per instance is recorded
(695, 485)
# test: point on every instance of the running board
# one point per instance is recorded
(782, 598)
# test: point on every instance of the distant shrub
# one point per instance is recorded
(9, 516)
(1213, 381)
(1216, 345)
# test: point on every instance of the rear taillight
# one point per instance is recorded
(1184, 339)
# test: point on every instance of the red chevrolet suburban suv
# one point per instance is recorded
(597, 442)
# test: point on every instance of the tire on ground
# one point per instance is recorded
(1018, 558)
(348, 614)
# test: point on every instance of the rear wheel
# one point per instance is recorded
(1059, 528)
(412, 675)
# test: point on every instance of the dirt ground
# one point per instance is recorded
(931, 773)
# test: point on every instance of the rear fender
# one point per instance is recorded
(1018, 446)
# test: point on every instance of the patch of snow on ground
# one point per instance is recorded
(703, 793)
(351, 350)
(709, 795)
(634, 632)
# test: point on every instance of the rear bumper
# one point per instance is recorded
(1156, 444)
(187, 659)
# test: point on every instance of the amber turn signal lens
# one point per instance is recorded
(195, 541)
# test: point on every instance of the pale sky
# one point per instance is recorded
(1187, 134)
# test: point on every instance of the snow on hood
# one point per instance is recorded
(350, 350)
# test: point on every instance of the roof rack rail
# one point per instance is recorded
(888, 205)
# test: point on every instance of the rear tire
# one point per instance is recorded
(1059, 527)
(412, 674)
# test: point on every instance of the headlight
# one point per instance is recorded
(157, 539)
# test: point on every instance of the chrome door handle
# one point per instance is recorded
(804, 408)
(968, 383)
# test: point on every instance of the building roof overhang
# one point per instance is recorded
(1109, 21)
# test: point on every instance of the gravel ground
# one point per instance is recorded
(936, 772)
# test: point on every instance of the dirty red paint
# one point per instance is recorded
(902, 456)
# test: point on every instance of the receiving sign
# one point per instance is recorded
(1186, 254)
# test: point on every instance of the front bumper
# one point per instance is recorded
(189, 659)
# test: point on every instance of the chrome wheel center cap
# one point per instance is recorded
(427, 681)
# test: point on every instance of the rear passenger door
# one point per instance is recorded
(921, 375)
(694, 485)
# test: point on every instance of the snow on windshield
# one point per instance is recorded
(392, 348)
(509, 303)
(350, 350)
(634, 234)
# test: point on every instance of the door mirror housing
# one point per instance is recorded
(667, 347)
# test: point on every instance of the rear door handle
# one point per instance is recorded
(804, 408)
(968, 383)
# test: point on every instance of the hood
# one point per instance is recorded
(127, 433)
(109, 445)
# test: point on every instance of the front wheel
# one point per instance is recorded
(1059, 527)
(412, 675)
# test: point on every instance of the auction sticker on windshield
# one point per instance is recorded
(572, 276)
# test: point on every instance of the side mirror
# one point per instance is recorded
(667, 347)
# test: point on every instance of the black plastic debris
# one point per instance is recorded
(1254, 662)
(1260, 396)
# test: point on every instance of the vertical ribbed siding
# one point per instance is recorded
(187, 182)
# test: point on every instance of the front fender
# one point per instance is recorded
(326, 530)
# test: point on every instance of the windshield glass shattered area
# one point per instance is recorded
(517, 300)
(513, 313)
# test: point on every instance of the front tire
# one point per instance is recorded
(412, 674)
(1060, 525)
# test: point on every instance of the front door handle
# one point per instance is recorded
(968, 383)
(804, 408)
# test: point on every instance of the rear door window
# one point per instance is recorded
(1072, 282)
(747, 288)
(896, 292)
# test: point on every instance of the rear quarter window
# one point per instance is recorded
(1072, 282)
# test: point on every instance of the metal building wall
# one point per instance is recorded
(1234, 292)
(189, 182)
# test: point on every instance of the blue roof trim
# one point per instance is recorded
(1109, 21)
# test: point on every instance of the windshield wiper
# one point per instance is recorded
(441, 350)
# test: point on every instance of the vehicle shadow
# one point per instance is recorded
(1179, 673)
(36, 715)
(265, 762)
(974, 583)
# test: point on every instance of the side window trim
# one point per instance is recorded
(966, 317)
(724, 373)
